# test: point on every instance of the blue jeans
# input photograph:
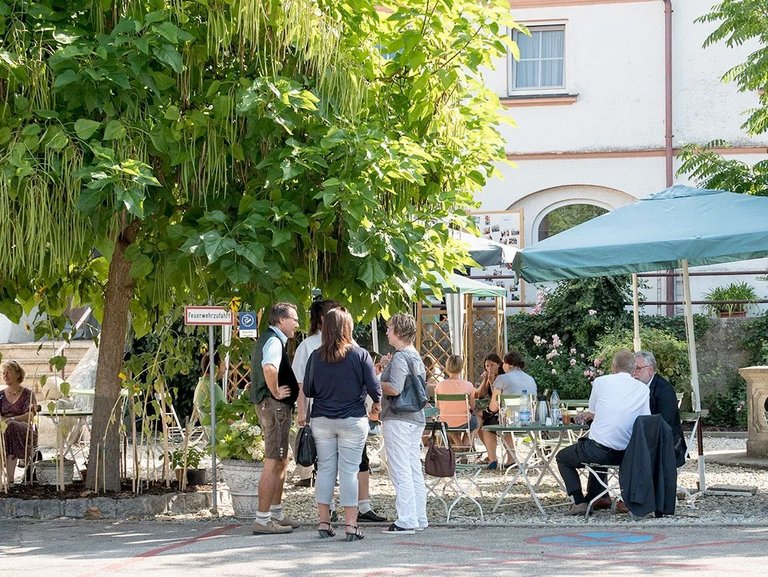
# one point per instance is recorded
(339, 444)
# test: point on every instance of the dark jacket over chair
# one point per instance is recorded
(663, 401)
(648, 476)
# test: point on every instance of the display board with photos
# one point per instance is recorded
(506, 227)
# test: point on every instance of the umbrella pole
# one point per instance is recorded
(636, 313)
(694, 366)
(375, 334)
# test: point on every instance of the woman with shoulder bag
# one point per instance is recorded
(402, 430)
(338, 377)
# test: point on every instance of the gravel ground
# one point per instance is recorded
(708, 509)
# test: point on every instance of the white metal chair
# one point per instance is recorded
(462, 484)
(610, 486)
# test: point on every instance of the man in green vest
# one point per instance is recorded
(274, 390)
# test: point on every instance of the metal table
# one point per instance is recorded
(545, 442)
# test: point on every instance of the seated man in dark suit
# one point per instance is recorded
(663, 400)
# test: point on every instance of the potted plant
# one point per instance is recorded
(55, 471)
(188, 460)
(240, 446)
(736, 291)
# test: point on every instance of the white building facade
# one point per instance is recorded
(605, 95)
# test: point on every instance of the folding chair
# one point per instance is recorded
(691, 418)
(461, 484)
(176, 431)
(456, 407)
(610, 486)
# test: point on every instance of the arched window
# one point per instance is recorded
(566, 217)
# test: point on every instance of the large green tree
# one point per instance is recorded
(738, 22)
(156, 153)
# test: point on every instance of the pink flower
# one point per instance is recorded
(597, 362)
(592, 312)
(553, 353)
(573, 362)
(556, 341)
(554, 371)
(573, 350)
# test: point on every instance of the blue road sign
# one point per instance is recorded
(247, 320)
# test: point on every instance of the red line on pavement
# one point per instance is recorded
(154, 552)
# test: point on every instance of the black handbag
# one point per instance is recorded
(305, 452)
(439, 461)
(413, 397)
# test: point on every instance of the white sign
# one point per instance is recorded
(506, 227)
(208, 316)
(248, 325)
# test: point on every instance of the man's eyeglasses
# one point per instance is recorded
(638, 369)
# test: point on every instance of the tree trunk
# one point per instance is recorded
(104, 456)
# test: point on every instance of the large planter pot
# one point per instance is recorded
(732, 314)
(242, 478)
(45, 471)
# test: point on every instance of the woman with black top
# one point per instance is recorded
(338, 378)
(493, 368)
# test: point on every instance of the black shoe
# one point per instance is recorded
(304, 482)
(395, 529)
(370, 517)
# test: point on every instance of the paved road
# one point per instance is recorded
(77, 548)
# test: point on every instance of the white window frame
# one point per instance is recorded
(536, 90)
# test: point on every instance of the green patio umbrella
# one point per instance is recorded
(677, 227)
(657, 232)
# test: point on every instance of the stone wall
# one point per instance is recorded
(720, 354)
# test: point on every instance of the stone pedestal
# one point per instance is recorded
(757, 397)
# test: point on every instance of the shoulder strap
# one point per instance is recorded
(444, 432)
(408, 361)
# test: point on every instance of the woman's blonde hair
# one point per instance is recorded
(404, 327)
(454, 365)
(15, 367)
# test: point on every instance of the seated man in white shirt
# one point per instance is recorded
(614, 404)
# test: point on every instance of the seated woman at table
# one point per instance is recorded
(511, 383)
(493, 369)
(454, 413)
(17, 410)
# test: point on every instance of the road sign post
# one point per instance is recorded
(210, 316)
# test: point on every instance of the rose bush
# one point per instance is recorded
(555, 366)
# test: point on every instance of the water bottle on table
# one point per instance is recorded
(554, 408)
(524, 412)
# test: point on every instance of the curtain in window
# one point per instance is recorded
(552, 50)
(541, 59)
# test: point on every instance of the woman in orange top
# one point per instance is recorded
(454, 413)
